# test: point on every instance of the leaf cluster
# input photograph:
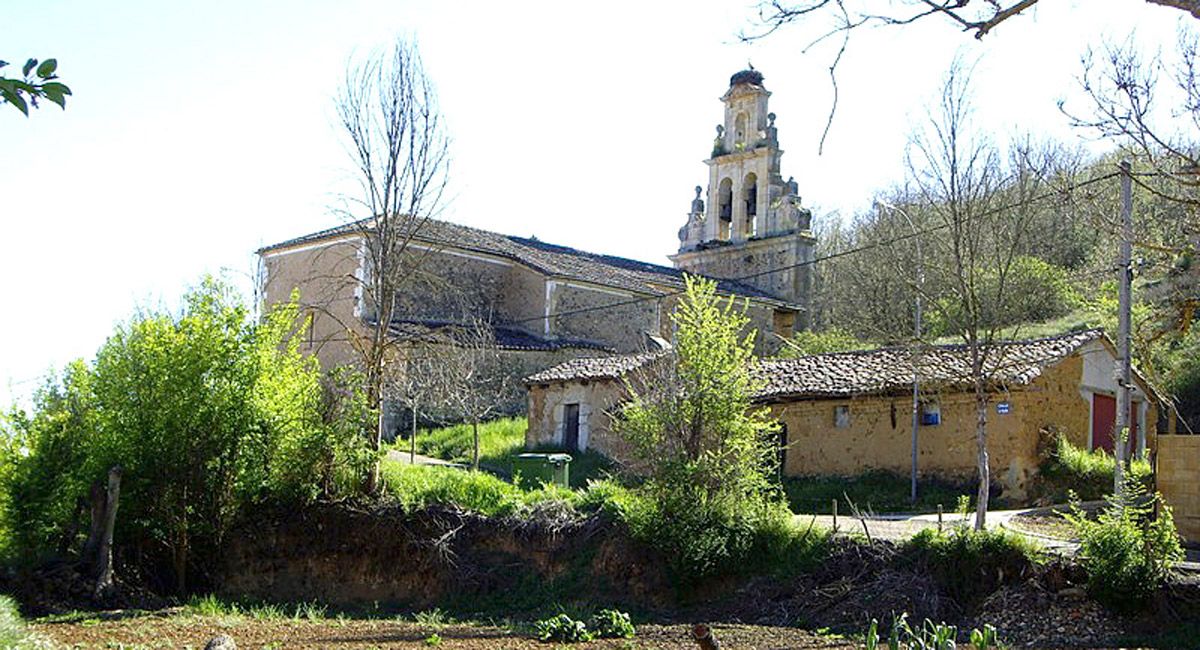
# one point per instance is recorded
(37, 81)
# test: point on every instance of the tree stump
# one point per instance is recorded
(703, 636)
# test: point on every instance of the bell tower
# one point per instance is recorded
(753, 228)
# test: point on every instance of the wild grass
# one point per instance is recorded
(498, 439)
(417, 487)
(1089, 474)
(210, 605)
(874, 491)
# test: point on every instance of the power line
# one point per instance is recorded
(825, 258)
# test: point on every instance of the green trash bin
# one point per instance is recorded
(533, 469)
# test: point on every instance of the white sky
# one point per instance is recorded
(200, 131)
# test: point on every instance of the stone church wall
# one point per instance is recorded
(622, 326)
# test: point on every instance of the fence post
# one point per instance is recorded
(939, 518)
(835, 515)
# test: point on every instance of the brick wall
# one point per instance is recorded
(1178, 478)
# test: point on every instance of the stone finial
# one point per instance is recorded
(698, 203)
(720, 130)
(771, 120)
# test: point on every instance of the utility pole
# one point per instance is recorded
(916, 377)
(1123, 371)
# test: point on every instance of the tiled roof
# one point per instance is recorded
(841, 374)
(553, 260)
(506, 338)
(587, 368)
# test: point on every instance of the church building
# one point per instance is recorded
(547, 303)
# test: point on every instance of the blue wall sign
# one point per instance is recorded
(1003, 408)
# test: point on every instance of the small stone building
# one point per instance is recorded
(847, 413)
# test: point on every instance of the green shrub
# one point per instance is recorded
(612, 624)
(562, 628)
(1087, 474)
(1128, 551)
(969, 563)
(701, 536)
(206, 409)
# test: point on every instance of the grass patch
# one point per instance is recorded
(419, 486)
(500, 441)
(874, 491)
(1089, 474)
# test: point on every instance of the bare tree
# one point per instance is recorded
(419, 385)
(395, 137)
(978, 210)
(976, 17)
(475, 380)
(837, 20)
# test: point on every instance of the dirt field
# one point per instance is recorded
(188, 631)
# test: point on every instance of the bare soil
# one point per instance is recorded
(189, 631)
(1049, 524)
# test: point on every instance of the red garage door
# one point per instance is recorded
(1104, 414)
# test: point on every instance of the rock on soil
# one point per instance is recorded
(1027, 614)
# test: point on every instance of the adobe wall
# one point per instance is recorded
(1178, 479)
(880, 432)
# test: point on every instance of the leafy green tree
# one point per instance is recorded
(48, 462)
(174, 413)
(710, 455)
(37, 82)
(206, 411)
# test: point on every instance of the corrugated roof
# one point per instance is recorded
(842, 374)
(550, 259)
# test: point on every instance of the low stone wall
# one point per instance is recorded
(1178, 479)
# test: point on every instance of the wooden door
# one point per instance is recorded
(1104, 417)
(1104, 414)
(571, 427)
